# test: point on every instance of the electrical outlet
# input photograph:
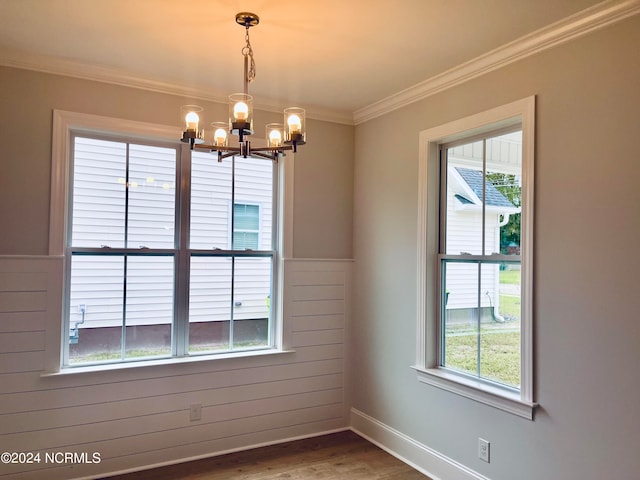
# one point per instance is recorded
(483, 449)
(195, 412)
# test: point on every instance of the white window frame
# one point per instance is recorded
(67, 123)
(427, 364)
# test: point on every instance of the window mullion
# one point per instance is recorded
(275, 241)
(444, 153)
(127, 190)
(180, 345)
(233, 246)
(484, 196)
(123, 331)
(484, 252)
(478, 321)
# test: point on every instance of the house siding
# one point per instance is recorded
(99, 219)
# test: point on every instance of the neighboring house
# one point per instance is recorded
(96, 282)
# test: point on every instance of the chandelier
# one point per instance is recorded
(280, 137)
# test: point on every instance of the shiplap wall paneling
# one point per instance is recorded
(317, 306)
(139, 417)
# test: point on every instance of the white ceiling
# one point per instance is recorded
(336, 55)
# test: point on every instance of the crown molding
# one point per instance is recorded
(572, 27)
(582, 23)
(70, 68)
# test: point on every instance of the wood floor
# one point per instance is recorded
(343, 456)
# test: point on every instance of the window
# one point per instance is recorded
(121, 250)
(246, 229)
(152, 272)
(475, 252)
(479, 258)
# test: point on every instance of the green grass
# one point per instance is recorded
(95, 357)
(511, 277)
(115, 355)
(510, 307)
(499, 342)
(499, 347)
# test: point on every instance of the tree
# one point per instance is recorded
(509, 186)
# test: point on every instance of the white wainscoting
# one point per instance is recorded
(137, 418)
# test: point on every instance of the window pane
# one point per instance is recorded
(99, 178)
(504, 176)
(101, 302)
(500, 328)
(212, 326)
(152, 193)
(252, 302)
(460, 338)
(95, 308)
(149, 306)
(481, 326)
(209, 303)
(467, 187)
(464, 199)
(254, 188)
(210, 202)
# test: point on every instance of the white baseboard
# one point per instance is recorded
(411, 452)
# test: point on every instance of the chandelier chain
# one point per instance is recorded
(247, 51)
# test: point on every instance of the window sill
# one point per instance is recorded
(166, 362)
(475, 390)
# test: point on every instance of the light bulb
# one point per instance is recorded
(275, 138)
(192, 120)
(295, 124)
(220, 137)
(240, 111)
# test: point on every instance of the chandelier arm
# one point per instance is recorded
(215, 148)
(226, 155)
(272, 149)
(273, 156)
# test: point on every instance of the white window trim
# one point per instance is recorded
(427, 363)
(64, 123)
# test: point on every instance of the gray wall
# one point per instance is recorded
(323, 171)
(586, 287)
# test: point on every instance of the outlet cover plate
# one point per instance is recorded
(483, 449)
(195, 412)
